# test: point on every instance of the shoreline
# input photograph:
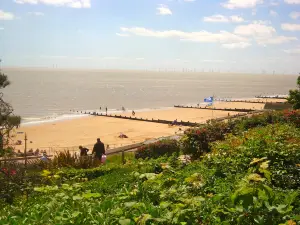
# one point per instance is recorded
(59, 135)
(34, 121)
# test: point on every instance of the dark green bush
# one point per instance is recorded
(161, 148)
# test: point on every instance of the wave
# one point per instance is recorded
(50, 119)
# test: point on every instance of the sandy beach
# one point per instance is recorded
(69, 134)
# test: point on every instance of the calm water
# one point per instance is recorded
(38, 94)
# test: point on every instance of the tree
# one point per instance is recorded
(8, 121)
(294, 96)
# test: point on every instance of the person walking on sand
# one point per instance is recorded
(133, 113)
(106, 110)
(98, 149)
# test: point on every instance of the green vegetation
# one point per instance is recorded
(246, 171)
(294, 96)
(8, 121)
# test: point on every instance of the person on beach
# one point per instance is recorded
(44, 157)
(175, 122)
(83, 151)
(99, 149)
(100, 108)
(133, 113)
(106, 110)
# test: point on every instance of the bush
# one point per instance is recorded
(155, 150)
(292, 116)
(196, 141)
(66, 159)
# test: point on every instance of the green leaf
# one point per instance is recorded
(117, 212)
(297, 217)
(129, 204)
(77, 197)
(164, 205)
(91, 195)
(125, 221)
(75, 214)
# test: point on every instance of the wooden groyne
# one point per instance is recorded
(182, 123)
(216, 109)
(246, 101)
(272, 97)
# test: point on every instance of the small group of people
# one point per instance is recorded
(105, 109)
(98, 150)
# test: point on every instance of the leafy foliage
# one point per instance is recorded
(8, 121)
(158, 149)
(248, 178)
(294, 96)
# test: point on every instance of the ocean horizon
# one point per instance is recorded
(43, 95)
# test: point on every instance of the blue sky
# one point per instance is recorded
(226, 35)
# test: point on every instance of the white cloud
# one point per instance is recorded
(223, 19)
(276, 40)
(273, 13)
(241, 45)
(139, 58)
(66, 3)
(295, 15)
(163, 10)
(235, 4)
(6, 15)
(274, 3)
(290, 27)
(1, 28)
(122, 35)
(262, 33)
(292, 51)
(257, 28)
(236, 19)
(189, 0)
(197, 36)
(292, 1)
(36, 13)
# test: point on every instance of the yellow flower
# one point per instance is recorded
(256, 160)
(210, 195)
(255, 177)
(265, 165)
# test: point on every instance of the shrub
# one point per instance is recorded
(196, 141)
(66, 159)
(292, 116)
(158, 149)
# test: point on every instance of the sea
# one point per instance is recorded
(46, 95)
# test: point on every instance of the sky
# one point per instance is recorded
(257, 36)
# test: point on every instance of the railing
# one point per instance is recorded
(109, 152)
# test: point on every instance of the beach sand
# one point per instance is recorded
(84, 131)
